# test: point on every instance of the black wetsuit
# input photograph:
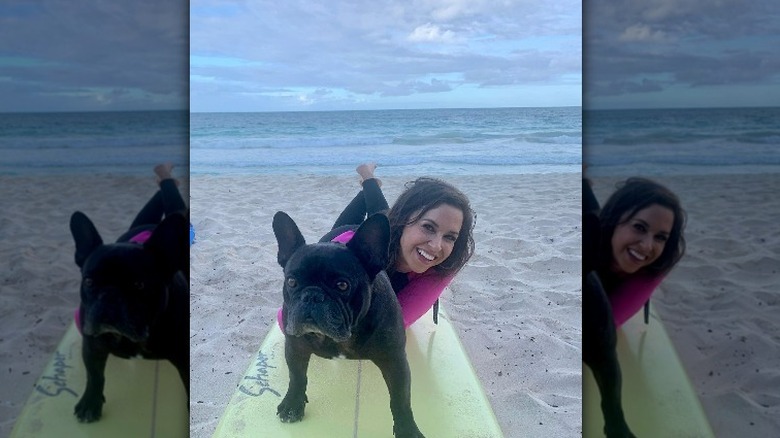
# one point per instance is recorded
(164, 202)
(599, 335)
(367, 202)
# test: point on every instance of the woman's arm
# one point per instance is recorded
(419, 295)
(628, 298)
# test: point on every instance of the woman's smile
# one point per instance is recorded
(638, 241)
(428, 241)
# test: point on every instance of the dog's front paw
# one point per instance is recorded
(620, 430)
(291, 408)
(89, 409)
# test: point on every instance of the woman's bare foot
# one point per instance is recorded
(366, 172)
(163, 172)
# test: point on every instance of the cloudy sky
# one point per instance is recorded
(270, 55)
(681, 53)
(81, 55)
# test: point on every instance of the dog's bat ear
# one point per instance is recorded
(371, 243)
(85, 235)
(288, 237)
(170, 241)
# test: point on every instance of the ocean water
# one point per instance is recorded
(441, 141)
(681, 141)
(85, 142)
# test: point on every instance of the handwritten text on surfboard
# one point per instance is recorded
(257, 384)
(56, 383)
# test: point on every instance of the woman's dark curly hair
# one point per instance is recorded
(633, 195)
(420, 196)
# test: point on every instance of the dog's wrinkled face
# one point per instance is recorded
(121, 292)
(124, 285)
(327, 286)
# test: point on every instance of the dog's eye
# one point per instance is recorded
(139, 285)
(291, 282)
(342, 285)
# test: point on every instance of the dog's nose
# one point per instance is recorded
(315, 296)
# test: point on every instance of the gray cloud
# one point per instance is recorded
(386, 48)
(617, 88)
(104, 55)
(412, 87)
(650, 47)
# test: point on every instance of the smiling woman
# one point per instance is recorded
(640, 240)
(429, 240)
(628, 248)
(431, 227)
(641, 231)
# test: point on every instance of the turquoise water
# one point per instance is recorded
(81, 142)
(672, 141)
(448, 141)
(442, 141)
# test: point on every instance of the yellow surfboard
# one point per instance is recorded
(658, 398)
(144, 398)
(349, 398)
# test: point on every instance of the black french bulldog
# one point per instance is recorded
(339, 301)
(134, 301)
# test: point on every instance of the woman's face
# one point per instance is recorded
(429, 241)
(639, 241)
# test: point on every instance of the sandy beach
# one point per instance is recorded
(720, 304)
(516, 305)
(39, 278)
